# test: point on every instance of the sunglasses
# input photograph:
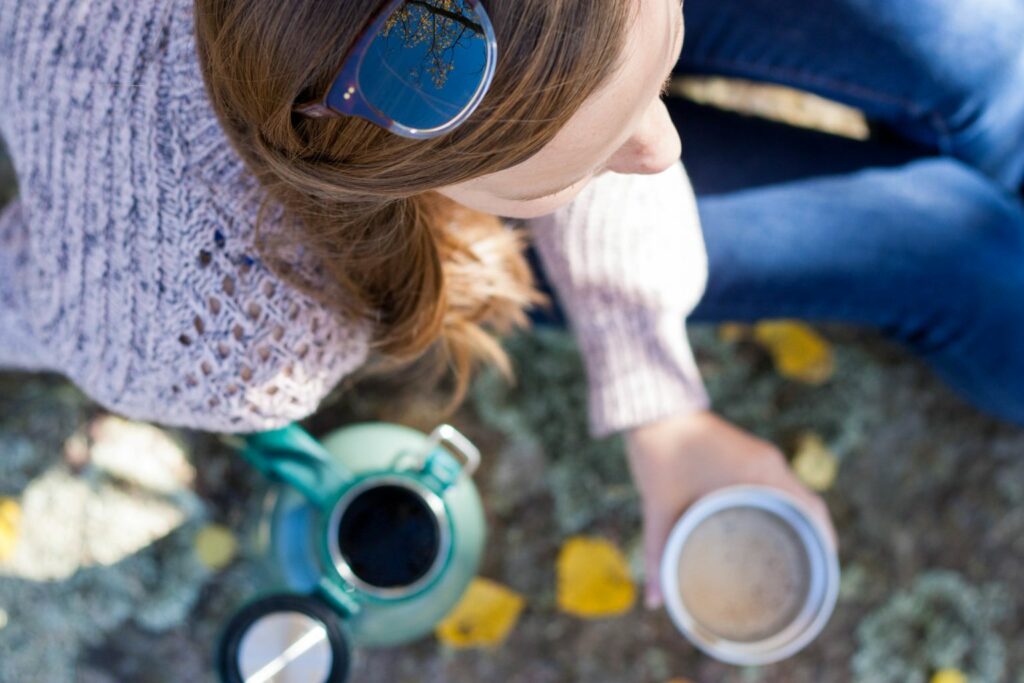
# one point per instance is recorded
(418, 69)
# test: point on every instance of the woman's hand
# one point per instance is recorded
(677, 460)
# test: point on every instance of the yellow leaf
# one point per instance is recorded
(949, 676)
(10, 520)
(798, 351)
(483, 618)
(215, 546)
(593, 578)
(732, 332)
(814, 464)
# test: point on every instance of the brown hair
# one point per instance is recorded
(431, 274)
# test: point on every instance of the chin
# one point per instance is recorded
(534, 208)
(516, 208)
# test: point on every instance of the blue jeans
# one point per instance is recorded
(917, 233)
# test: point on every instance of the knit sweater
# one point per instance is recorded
(128, 263)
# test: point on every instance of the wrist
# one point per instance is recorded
(672, 428)
(654, 446)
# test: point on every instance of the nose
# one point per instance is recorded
(652, 148)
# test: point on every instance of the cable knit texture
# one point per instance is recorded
(127, 263)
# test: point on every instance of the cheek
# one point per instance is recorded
(653, 147)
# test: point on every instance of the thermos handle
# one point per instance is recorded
(443, 443)
(292, 456)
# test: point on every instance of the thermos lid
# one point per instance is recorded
(285, 638)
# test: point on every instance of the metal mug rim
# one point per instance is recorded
(434, 504)
(822, 592)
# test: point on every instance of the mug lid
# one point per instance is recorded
(285, 638)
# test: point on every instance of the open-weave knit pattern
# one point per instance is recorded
(128, 263)
(137, 276)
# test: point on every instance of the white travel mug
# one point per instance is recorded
(773, 518)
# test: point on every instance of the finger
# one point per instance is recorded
(830, 529)
(820, 512)
(656, 530)
(814, 504)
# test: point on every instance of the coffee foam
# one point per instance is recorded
(743, 574)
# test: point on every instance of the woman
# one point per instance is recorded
(195, 245)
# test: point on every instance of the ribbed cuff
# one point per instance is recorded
(640, 368)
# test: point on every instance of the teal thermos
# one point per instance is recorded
(371, 537)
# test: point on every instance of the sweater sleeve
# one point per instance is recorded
(628, 263)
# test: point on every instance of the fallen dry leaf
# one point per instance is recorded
(798, 351)
(10, 522)
(814, 464)
(215, 546)
(949, 676)
(593, 578)
(483, 617)
(733, 332)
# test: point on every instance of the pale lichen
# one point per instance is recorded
(547, 404)
(939, 622)
(101, 542)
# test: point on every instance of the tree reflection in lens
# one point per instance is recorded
(440, 25)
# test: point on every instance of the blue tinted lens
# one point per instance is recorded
(427, 63)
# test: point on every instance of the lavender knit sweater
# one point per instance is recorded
(128, 263)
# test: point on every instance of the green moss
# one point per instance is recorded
(96, 551)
